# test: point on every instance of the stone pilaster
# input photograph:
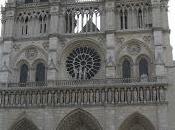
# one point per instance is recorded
(5, 72)
(158, 38)
(53, 44)
(110, 39)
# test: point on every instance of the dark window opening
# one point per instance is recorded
(40, 72)
(126, 19)
(140, 20)
(121, 19)
(126, 69)
(23, 73)
(143, 67)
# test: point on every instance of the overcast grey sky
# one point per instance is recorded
(171, 22)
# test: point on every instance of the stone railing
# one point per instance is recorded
(82, 96)
(86, 83)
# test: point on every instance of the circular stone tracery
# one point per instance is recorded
(83, 63)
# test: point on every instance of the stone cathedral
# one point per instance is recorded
(86, 65)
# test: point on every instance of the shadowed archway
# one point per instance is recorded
(79, 120)
(137, 121)
(24, 124)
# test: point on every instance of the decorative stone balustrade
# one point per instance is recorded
(83, 93)
(68, 96)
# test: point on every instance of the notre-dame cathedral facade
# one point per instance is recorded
(86, 65)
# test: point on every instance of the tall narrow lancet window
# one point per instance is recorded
(22, 26)
(121, 19)
(24, 73)
(40, 72)
(25, 31)
(143, 67)
(140, 18)
(43, 25)
(126, 19)
(126, 69)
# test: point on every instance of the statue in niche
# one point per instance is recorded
(110, 61)
(159, 59)
(85, 95)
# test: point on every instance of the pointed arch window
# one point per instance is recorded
(143, 67)
(40, 72)
(24, 73)
(126, 69)
(140, 18)
(43, 24)
(121, 19)
(126, 19)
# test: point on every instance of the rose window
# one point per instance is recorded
(83, 63)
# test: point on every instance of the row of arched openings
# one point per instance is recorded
(143, 67)
(82, 120)
(40, 72)
(124, 19)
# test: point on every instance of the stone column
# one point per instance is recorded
(158, 38)
(110, 39)
(53, 44)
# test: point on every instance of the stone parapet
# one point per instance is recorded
(26, 97)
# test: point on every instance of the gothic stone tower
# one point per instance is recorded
(86, 65)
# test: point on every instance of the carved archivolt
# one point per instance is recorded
(31, 53)
(134, 49)
(79, 119)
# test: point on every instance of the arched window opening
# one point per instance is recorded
(140, 18)
(126, 19)
(121, 19)
(40, 72)
(126, 69)
(24, 73)
(28, 1)
(143, 67)
(82, 20)
(43, 25)
(22, 26)
(40, 20)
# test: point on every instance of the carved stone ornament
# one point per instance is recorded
(16, 47)
(31, 53)
(120, 40)
(46, 45)
(147, 39)
(134, 49)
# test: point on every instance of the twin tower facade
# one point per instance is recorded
(86, 65)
